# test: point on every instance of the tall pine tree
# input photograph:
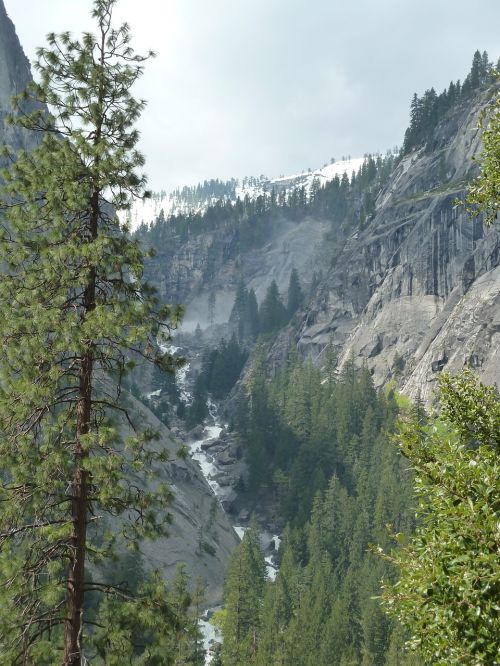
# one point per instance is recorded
(243, 593)
(73, 312)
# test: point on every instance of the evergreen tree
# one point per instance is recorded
(211, 308)
(133, 631)
(220, 370)
(484, 193)
(427, 111)
(245, 313)
(82, 311)
(253, 315)
(239, 312)
(280, 599)
(198, 410)
(449, 586)
(322, 447)
(295, 295)
(243, 593)
(272, 313)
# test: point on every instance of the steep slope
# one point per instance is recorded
(197, 199)
(410, 281)
(200, 534)
(410, 285)
(15, 75)
(213, 262)
(417, 289)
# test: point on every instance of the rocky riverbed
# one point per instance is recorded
(220, 458)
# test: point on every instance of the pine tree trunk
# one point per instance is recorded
(75, 590)
(75, 587)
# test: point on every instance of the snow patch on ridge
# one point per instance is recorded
(146, 211)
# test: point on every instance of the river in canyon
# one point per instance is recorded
(200, 451)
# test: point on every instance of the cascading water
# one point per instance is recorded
(208, 465)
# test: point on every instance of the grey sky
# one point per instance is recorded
(244, 87)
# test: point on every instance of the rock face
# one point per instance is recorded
(15, 74)
(412, 292)
(417, 290)
(188, 271)
(200, 534)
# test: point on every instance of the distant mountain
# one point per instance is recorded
(416, 289)
(15, 74)
(396, 273)
(198, 198)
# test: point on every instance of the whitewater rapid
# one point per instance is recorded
(208, 466)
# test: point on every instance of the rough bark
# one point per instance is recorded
(75, 589)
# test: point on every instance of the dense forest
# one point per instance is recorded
(388, 517)
(339, 564)
(349, 196)
(322, 449)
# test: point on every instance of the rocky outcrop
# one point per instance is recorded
(200, 534)
(212, 263)
(15, 74)
(409, 294)
(416, 290)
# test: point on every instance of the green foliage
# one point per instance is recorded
(428, 110)
(272, 312)
(484, 193)
(244, 313)
(155, 627)
(243, 592)
(197, 412)
(449, 588)
(211, 308)
(398, 364)
(74, 312)
(295, 296)
(322, 447)
(222, 366)
(220, 370)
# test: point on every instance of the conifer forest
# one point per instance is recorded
(246, 420)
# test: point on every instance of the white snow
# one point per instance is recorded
(145, 211)
(327, 172)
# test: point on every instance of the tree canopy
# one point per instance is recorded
(449, 586)
(484, 193)
(74, 312)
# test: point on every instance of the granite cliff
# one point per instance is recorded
(188, 271)
(417, 289)
(15, 74)
(410, 290)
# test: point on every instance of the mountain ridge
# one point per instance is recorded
(189, 200)
(397, 267)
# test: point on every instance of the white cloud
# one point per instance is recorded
(276, 86)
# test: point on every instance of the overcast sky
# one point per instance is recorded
(244, 87)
